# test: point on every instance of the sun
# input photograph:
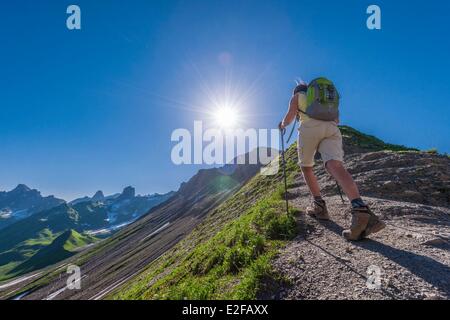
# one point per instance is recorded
(226, 116)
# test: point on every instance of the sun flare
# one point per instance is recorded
(226, 117)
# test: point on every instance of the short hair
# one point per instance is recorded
(301, 87)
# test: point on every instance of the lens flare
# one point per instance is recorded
(226, 117)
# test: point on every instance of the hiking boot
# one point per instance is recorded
(318, 210)
(360, 220)
(375, 225)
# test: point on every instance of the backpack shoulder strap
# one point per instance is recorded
(298, 103)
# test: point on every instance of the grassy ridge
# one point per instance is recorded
(231, 264)
(11, 259)
(48, 248)
(63, 247)
(361, 140)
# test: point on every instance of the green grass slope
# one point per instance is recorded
(23, 251)
(364, 142)
(55, 220)
(229, 254)
(40, 252)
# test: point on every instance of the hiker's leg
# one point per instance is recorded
(343, 177)
(318, 208)
(311, 181)
(310, 135)
(332, 153)
(364, 222)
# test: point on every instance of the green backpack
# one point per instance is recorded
(322, 100)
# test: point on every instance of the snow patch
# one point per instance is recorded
(109, 229)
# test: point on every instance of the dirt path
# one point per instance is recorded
(412, 254)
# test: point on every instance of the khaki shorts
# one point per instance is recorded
(322, 136)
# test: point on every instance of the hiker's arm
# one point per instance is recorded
(291, 114)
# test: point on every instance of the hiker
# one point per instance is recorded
(316, 106)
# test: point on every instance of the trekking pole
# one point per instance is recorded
(340, 192)
(292, 131)
(283, 161)
(338, 187)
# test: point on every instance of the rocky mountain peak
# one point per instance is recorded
(98, 196)
(21, 188)
(128, 193)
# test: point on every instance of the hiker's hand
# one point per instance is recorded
(282, 128)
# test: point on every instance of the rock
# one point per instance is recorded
(389, 185)
(413, 196)
(431, 296)
(435, 242)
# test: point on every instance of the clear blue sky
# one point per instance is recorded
(94, 109)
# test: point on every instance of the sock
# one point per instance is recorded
(358, 203)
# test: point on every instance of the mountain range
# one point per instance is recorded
(22, 202)
(163, 226)
(27, 232)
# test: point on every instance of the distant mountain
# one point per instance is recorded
(127, 193)
(98, 196)
(99, 215)
(23, 202)
(105, 212)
